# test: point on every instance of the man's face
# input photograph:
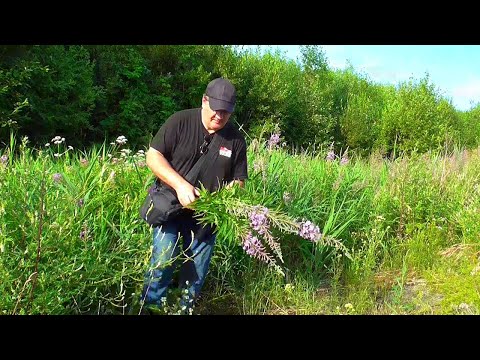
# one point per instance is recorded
(214, 120)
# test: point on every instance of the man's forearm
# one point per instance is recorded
(163, 170)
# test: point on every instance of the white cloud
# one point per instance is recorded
(470, 89)
(467, 94)
(383, 75)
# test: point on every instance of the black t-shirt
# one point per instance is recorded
(180, 138)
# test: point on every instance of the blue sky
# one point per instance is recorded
(453, 69)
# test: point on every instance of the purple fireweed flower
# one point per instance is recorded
(344, 160)
(309, 231)
(254, 247)
(57, 177)
(258, 219)
(274, 140)
(4, 159)
(330, 156)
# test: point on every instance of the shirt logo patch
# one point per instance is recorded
(225, 152)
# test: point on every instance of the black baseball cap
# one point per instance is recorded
(221, 95)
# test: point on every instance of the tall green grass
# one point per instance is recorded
(71, 241)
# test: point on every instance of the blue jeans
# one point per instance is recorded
(195, 260)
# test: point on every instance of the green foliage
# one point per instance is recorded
(68, 249)
(394, 217)
(362, 118)
(468, 126)
(454, 279)
(71, 241)
(98, 92)
(416, 119)
(327, 97)
(320, 98)
(192, 72)
(133, 102)
(15, 76)
(266, 91)
(61, 98)
(314, 58)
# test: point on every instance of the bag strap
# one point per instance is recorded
(208, 158)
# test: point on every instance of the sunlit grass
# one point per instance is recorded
(71, 240)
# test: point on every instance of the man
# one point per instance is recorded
(174, 150)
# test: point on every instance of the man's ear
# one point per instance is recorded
(204, 101)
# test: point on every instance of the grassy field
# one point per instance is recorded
(396, 236)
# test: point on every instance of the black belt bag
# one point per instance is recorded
(161, 203)
(159, 206)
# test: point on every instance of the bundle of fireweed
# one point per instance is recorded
(236, 218)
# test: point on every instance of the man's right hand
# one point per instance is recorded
(160, 166)
(187, 194)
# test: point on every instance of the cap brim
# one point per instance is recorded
(216, 104)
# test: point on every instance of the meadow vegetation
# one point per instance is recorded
(362, 198)
(393, 237)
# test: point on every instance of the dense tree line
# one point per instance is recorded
(94, 93)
